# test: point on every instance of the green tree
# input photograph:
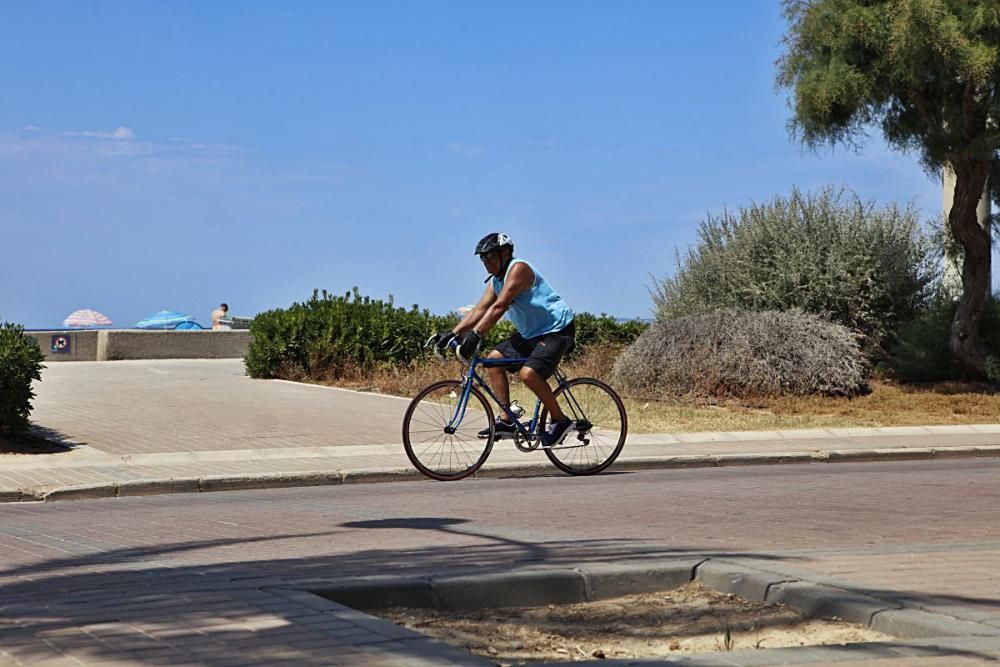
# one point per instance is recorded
(927, 72)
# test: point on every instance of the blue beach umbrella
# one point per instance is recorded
(165, 319)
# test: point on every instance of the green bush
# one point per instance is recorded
(20, 364)
(744, 354)
(921, 353)
(605, 330)
(327, 335)
(864, 267)
(590, 330)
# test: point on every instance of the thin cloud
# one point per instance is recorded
(121, 142)
(120, 133)
(90, 158)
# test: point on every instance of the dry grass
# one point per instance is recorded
(397, 381)
(888, 404)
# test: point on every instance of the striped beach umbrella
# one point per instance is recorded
(87, 318)
(165, 319)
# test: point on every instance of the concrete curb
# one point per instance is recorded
(151, 487)
(377, 475)
(606, 580)
(828, 602)
(819, 600)
(748, 583)
(80, 492)
(511, 589)
(917, 629)
(112, 489)
(269, 480)
(917, 624)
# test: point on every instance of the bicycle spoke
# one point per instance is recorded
(597, 404)
(433, 450)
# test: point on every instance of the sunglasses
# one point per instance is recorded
(489, 256)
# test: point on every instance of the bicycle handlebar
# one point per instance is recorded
(453, 344)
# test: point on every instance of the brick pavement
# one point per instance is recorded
(192, 425)
(134, 407)
(218, 579)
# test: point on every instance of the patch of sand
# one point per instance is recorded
(684, 620)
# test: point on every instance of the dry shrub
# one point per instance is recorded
(595, 361)
(744, 355)
(407, 379)
(396, 380)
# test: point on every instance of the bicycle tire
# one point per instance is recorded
(425, 417)
(604, 444)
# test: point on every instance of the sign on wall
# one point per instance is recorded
(61, 344)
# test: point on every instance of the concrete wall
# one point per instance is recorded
(109, 345)
(82, 344)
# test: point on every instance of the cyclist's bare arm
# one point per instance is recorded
(471, 319)
(520, 278)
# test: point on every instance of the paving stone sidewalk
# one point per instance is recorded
(151, 427)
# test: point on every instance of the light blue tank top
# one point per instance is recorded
(538, 310)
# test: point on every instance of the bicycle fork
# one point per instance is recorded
(463, 403)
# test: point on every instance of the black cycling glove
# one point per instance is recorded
(440, 341)
(470, 346)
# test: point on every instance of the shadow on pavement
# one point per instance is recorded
(38, 440)
(220, 601)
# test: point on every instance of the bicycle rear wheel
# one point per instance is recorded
(431, 449)
(601, 427)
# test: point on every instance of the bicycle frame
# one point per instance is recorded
(471, 377)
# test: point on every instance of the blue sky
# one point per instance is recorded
(172, 155)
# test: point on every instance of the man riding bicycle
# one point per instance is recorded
(545, 331)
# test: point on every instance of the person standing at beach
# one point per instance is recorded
(217, 315)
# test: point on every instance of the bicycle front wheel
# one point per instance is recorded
(431, 448)
(601, 427)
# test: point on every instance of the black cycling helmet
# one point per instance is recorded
(493, 241)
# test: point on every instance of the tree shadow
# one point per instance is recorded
(37, 440)
(221, 602)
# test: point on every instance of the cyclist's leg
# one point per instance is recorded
(546, 354)
(501, 387)
(534, 381)
(514, 347)
(498, 379)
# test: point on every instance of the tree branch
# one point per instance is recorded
(924, 108)
(968, 109)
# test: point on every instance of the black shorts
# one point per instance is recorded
(543, 353)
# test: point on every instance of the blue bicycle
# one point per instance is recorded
(449, 430)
